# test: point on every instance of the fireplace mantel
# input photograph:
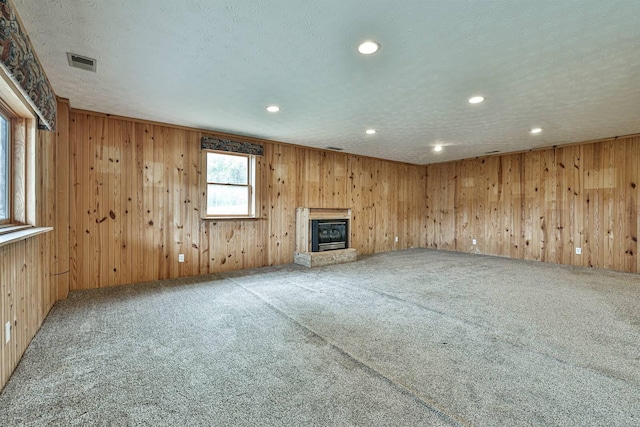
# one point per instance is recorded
(303, 254)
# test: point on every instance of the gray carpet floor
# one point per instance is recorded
(409, 338)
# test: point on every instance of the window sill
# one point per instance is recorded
(18, 233)
(232, 218)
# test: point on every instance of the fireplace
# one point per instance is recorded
(323, 237)
(329, 234)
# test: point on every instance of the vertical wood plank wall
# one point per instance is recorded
(541, 205)
(28, 269)
(135, 203)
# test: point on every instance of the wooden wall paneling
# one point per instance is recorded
(630, 185)
(16, 284)
(484, 207)
(311, 178)
(620, 226)
(361, 195)
(48, 243)
(26, 288)
(224, 245)
(131, 202)
(335, 166)
(204, 226)
(552, 239)
(514, 205)
(204, 251)
(146, 225)
(282, 190)
(61, 165)
(5, 273)
(461, 209)
(174, 160)
(493, 228)
(182, 138)
(431, 184)
(571, 186)
(75, 189)
(367, 180)
(44, 212)
(432, 204)
(86, 210)
(481, 207)
(94, 210)
(588, 235)
(259, 243)
(302, 189)
(27, 282)
(473, 203)
(501, 208)
(575, 190)
(382, 196)
(161, 177)
(423, 226)
(101, 201)
(404, 209)
(563, 183)
(447, 214)
(415, 196)
(608, 197)
(589, 199)
(173, 208)
(598, 207)
(191, 202)
(9, 279)
(516, 184)
(534, 193)
(410, 194)
(541, 205)
(109, 176)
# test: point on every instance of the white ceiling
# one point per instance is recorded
(570, 67)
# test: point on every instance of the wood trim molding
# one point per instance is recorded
(23, 234)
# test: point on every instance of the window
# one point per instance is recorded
(230, 184)
(5, 174)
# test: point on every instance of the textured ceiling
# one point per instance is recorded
(570, 67)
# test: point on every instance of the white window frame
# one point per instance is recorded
(251, 184)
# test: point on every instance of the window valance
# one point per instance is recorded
(209, 143)
(20, 63)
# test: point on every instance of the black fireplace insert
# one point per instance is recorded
(329, 234)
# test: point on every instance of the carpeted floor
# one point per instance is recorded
(409, 338)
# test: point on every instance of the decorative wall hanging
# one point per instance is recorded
(209, 143)
(18, 60)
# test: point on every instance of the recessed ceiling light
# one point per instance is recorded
(368, 47)
(437, 148)
(273, 108)
(370, 131)
(536, 130)
(476, 99)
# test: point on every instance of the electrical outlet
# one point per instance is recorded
(180, 257)
(474, 241)
(7, 332)
(578, 251)
(396, 239)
